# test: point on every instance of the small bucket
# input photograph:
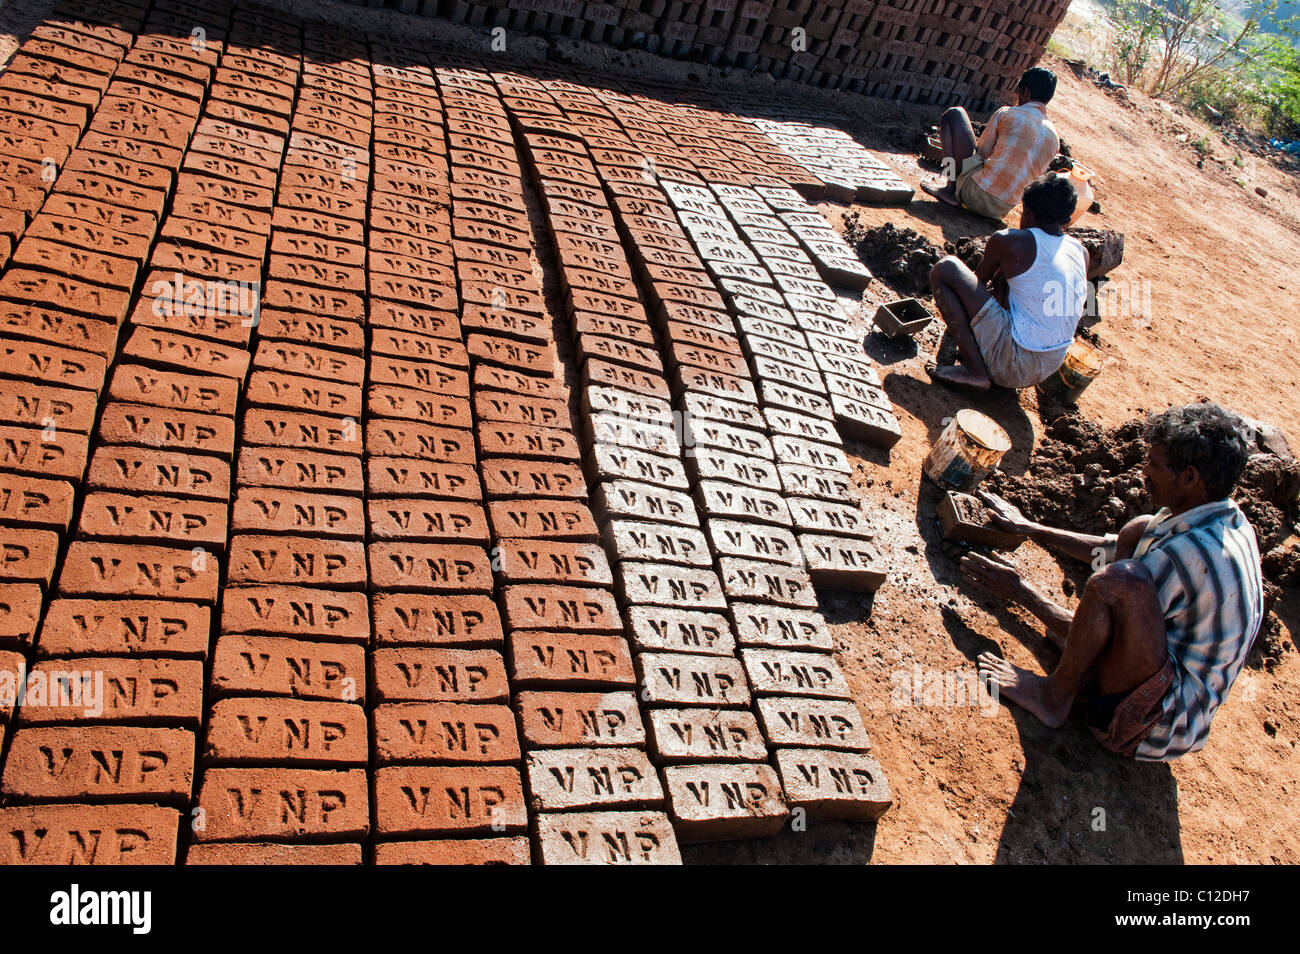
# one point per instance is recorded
(1080, 368)
(1081, 176)
(967, 451)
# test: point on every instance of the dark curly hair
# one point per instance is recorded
(1052, 198)
(1041, 83)
(1206, 437)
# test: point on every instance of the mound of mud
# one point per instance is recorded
(901, 257)
(1087, 478)
(1105, 249)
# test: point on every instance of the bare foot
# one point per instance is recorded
(1026, 690)
(959, 376)
(944, 193)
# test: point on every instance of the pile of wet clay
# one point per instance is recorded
(1084, 477)
(901, 257)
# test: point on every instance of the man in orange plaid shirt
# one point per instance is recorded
(989, 176)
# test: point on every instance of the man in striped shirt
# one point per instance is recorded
(1164, 625)
(1017, 146)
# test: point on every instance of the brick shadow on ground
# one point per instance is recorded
(822, 843)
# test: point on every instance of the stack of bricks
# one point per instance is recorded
(373, 564)
(934, 51)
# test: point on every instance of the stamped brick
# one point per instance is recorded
(756, 580)
(721, 499)
(296, 560)
(614, 462)
(424, 619)
(156, 519)
(118, 627)
(796, 722)
(668, 585)
(124, 569)
(686, 679)
(449, 799)
(166, 428)
(574, 838)
(138, 691)
(702, 734)
(513, 409)
(624, 499)
(489, 378)
(439, 675)
(834, 785)
(758, 624)
(849, 562)
(194, 392)
(244, 729)
(33, 501)
(283, 803)
(100, 762)
(542, 520)
(717, 802)
(741, 538)
(413, 404)
(807, 453)
(404, 476)
(549, 561)
(670, 629)
(175, 473)
(566, 719)
(430, 567)
(591, 778)
(51, 364)
(20, 611)
(774, 672)
(297, 611)
(130, 834)
(278, 666)
(34, 451)
(445, 733)
(814, 483)
(395, 438)
(569, 660)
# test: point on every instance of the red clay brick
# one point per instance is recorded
(88, 834)
(452, 851)
(117, 627)
(300, 359)
(152, 572)
(166, 428)
(542, 520)
(445, 732)
(276, 666)
(299, 470)
(138, 384)
(405, 476)
(430, 567)
(27, 556)
(168, 472)
(300, 561)
(154, 519)
(278, 729)
(136, 691)
(569, 779)
(393, 438)
(20, 610)
(508, 477)
(423, 619)
(296, 611)
(286, 803)
(705, 735)
(418, 347)
(423, 407)
(551, 719)
(439, 675)
(488, 378)
(449, 799)
(54, 325)
(833, 785)
(34, 501)
(264, 853)
(100, 762)
(51, 364)
(569, 660)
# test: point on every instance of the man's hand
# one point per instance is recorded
(1000, 577)
(1006, 516)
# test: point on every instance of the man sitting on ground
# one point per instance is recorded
(1016, 334)
(1018, 145)
(1162, 631)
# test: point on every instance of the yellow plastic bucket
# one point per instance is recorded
(969, 448)
(1080, 368)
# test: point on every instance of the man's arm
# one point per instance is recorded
(1084, 547)
(989, 138)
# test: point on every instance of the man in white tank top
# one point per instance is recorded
(1015, 316)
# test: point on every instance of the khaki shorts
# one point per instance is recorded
(972, 197)
(1010, 365)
